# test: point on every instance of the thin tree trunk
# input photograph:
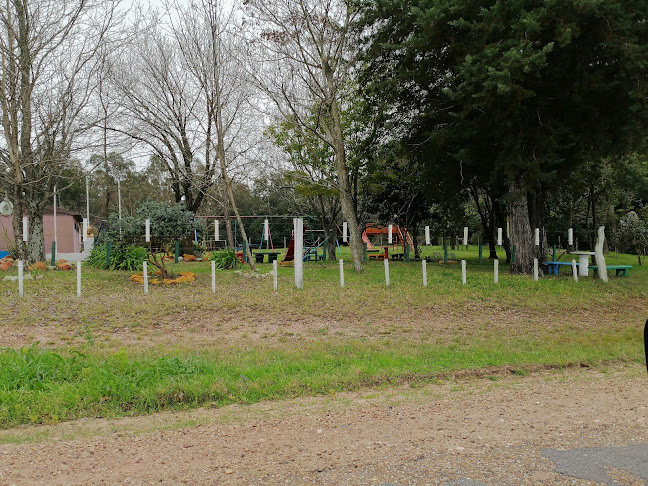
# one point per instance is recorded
(521, 233)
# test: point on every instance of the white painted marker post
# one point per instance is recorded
(575, 270)
(537, 236)
(216, 230)
(535, 269)
(147, 230)
(390, 238)
(570, 236)
(465, 238)
(427, 235)
(345, 232)
(341, 273)
(496, 270)
(299, 249)
(79, 280)
(463, 272)
(145, 274)
(213, 275)
(424, 263)
(274, 274)
(20, 278)
(25, 228)
(386, 271)
(85, 229)
(499, 236)
(266, 230)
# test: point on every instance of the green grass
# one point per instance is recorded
(119, 352)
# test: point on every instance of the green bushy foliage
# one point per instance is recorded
(223, 259)
(122, 257)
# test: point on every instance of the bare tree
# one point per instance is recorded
(164, 108)
(48, 59)
(304, 50)
(215, 57)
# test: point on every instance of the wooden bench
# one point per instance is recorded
(621, 270)
(553, 267)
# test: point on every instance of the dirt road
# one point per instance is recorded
(468, 431)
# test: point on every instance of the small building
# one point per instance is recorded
(69, 231)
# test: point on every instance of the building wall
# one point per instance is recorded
(69, 233)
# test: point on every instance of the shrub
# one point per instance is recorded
(223, 259)
(122, 257)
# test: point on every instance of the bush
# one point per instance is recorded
(122, 257)
(223, 259)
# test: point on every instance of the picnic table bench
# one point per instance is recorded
(554, 266)
(272, 256)
(621, 270)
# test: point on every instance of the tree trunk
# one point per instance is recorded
(521, 233)
(36, 250)
(228, 225)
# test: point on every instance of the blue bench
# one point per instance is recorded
(554, 266)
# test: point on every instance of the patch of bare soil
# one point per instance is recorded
(469, 428)
(196, 328)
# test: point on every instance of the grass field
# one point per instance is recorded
(117, 351)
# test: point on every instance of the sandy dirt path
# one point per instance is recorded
(465, 431)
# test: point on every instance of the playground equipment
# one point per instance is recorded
(400, 236)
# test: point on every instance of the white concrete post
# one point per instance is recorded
(147, 230)
(341, 273)
(274, 274)
(20, 278)
(463, 272)
(390, 237)
(145, 274)
(345, 232)
(499, 236)
(496, 270)
(299, 249)
(570, 236)
(424, 263)
(87, 199)
(537, 236)
(574, 270)
(386, 271)
(119, 198)
(465, 238)
(55, 240)
(25, 228)
(79, 280)
(427, 235)
(266, 230)
(85, 229)
(535, 269)
(213, 276)
(216, 230)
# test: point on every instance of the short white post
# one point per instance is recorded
(299, 249)
(147, 230)
(345, 232)
(390, 237)
(496, 270)
(266, 229)
(79, 280)
(274, 273)
(535, 269)
(341, 273)
(537, 236)
(386, 271)
(85, 229)
(424, 263)
(427, 235)
(216, 230)
(145, 274)
(463, 272)
(499, 236)
(465, 238)
(213, 275)
(20, 278)
(574, 270)
(26, 228)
